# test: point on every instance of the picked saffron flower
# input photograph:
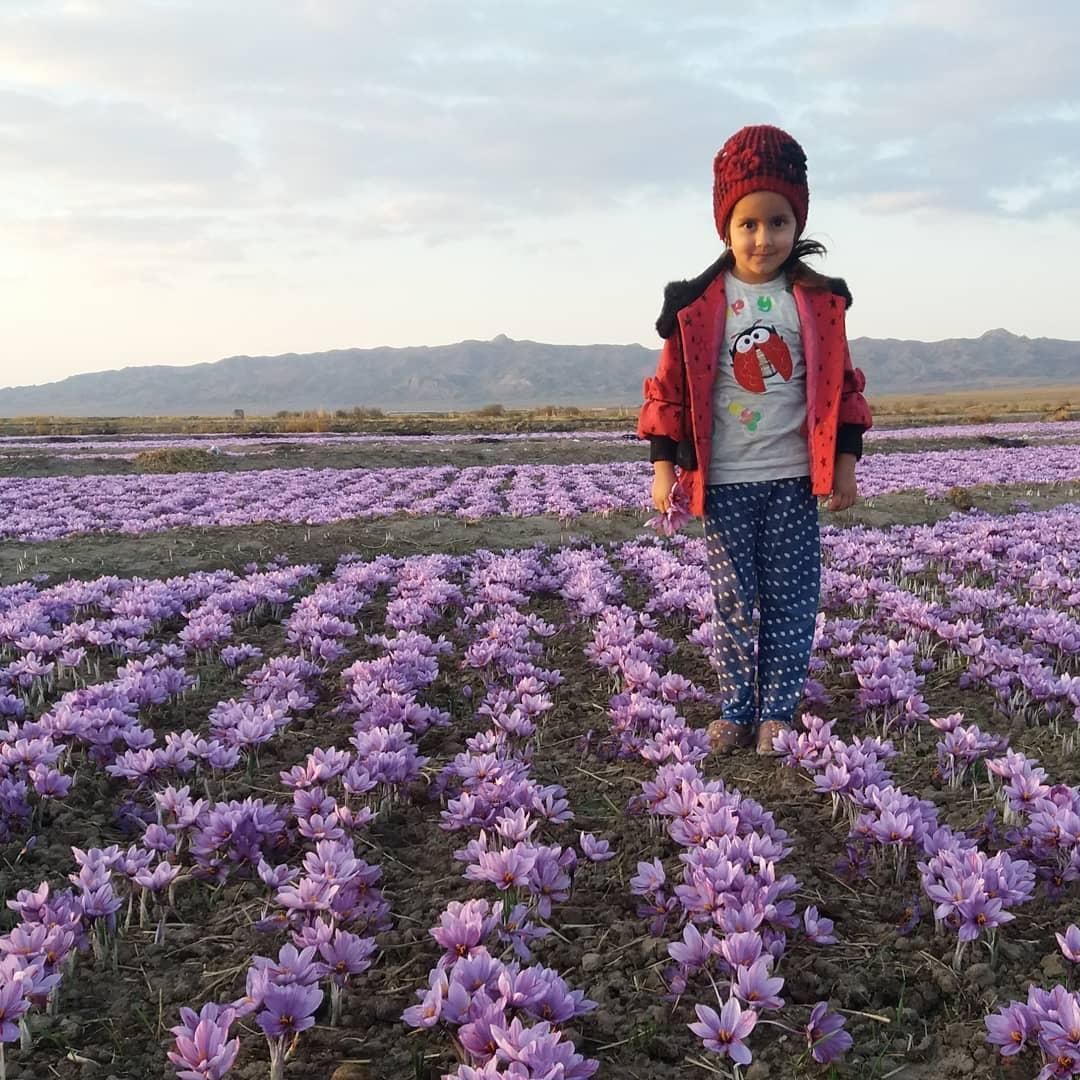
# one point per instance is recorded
(723, 1033)
(1070, 944)
(675, 517)
(595, 850)
(825, 1035)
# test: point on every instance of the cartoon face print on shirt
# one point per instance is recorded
(760, 353)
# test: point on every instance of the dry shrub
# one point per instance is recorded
(960, 497)
(308, 421)
(176, 460)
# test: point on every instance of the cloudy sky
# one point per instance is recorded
(182, 180)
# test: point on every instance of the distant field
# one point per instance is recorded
(975, 406)
(1007, 403)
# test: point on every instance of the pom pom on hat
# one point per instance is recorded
(759, 158)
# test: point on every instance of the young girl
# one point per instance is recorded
(754, 411)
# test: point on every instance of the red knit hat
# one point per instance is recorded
(759, 158)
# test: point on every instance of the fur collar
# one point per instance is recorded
(680, 294)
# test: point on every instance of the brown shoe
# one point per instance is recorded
(766, 733)
(726, 736)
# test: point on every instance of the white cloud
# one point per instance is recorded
(534, 109)
(160, 139)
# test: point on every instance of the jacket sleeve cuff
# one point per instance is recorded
(849, 440)
(661, 448)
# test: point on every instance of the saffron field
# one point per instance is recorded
(420, 810)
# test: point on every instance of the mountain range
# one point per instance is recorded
(470, 374)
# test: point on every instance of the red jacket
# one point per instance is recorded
(676, 408)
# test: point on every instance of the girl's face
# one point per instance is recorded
(761, 234)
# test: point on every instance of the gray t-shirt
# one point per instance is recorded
(759, 397)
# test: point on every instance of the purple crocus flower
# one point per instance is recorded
(463, 927)
(507, 868)
(1070, 944)
(825, 1035)
(743, 949)
(977, 914)
(426, 1014)
(595, 850)
(1064, 1064)
(540, 1051)
(1062, 1032)
(277, 876)
(754, 986)
(694, 950)
(477, 1036)
(818, 929)
(205, 1052)
(288, 1009)
(158, 879)
(892, 828)
(292, 966)
(1009, 1028)
(13, 1003)
(158, 838)
(723, 1034)
(517, 929)
(649, 878)
(346, 954)
(548, 879)
(490, 1071)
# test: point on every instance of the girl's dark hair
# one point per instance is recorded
(678, 294)
(803, 248)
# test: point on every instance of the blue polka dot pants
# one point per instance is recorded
(764, 551)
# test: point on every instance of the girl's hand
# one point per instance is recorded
(845, 490)
(663, 482)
